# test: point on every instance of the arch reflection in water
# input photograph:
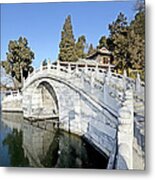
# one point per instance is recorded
(42, 145)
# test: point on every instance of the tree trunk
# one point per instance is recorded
(17, 84)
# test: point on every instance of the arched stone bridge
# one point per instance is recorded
(105, 108)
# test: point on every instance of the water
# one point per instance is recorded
(40, 144)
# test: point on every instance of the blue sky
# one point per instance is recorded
(42, 23)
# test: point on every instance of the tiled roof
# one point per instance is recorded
(104, 51)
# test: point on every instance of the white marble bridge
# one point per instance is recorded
(105, 108)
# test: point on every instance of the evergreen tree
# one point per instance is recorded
(44, 63)
(80, 47)
(119, 41)
(19, 60)
(137, 42)
(102, 42)
(136, 50)
(67, 44)
(127, 41)
(138, 24)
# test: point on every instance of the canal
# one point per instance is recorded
(40, 144)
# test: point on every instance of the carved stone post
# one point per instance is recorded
(77, 69)
(138, 84)
(41, 66)
(86, 68)
(69, 68)
(125, 133)
(58, 66)
(124, 79)
(49, 65)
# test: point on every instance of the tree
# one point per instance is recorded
(91, 50)
(136, 51)
(140, 5)
(19, 60)
(102, 42)
(138, 24)
(137, 42)
(119, 41)
(80, 47)
(44, 63)
(67, 44)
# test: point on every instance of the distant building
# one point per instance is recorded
(102, 56)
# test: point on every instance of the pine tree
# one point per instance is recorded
(44, 63)
(19, 60)
(102, 42)
(119, 41)
(80, 47)
(138, 24)
(137, 42)
(67, 44)
(136, 51)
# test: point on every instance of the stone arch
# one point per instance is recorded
(44, 102)
(51, 90)
(78, 112)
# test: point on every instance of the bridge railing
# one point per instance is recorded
(95, 76)
(8, 95)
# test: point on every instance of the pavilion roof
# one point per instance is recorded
(103, 51)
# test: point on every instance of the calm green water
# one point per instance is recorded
(39, 144)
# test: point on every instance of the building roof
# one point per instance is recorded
(103, 51)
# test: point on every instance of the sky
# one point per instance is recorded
(42, 23)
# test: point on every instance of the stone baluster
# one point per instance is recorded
(69, 68)
(125, 73)
(41, 66)
(77, 69)
(138, 84)
(49, 65)
(58, 66)
(125, 133)
(124, 80)
(86, 68)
